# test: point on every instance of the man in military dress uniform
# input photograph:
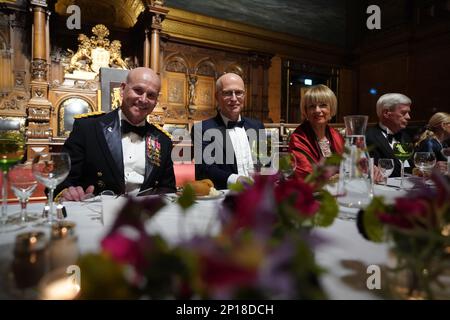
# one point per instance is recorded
(120, 150)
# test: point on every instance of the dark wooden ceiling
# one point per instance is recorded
(322, 20)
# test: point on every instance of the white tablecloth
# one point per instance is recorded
(345, 255)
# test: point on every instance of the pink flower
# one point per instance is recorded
(301, 193)
(253, 206)
(408, 213)
(219, 273)
(126, 245)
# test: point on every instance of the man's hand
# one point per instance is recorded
(377, 176)
(77, 193)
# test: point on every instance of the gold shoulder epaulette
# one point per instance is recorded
(88, 115)
(157, 126)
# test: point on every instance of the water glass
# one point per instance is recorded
(446, 153)
(386, 167)
(425, 161)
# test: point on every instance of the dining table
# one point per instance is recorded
(348, 260)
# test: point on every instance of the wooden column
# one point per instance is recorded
(146, 57)
(155, 46)
(39, 107)
(39, 41)
(158, 13)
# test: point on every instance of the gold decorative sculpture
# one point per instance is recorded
(96, 52)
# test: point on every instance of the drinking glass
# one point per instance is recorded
(285, 164)
(51, 169)
(23, 183)
(425, 161)
(12, 143)
(386, 168)
(446, 153)
(403, 151)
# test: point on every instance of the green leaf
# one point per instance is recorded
(187, 197)
(368, 223)
(236, 187)
(328, 210)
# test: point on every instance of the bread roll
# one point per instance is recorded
(200, 188)
(208, 182)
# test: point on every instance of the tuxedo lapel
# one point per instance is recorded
(226, 142)
(383, 142)
(110, 139)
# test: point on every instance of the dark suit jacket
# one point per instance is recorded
(95, 150)
(379, 147)
(220, 169)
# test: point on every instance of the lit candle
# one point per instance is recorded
(60, 289)
(29, 262)
(63, 249)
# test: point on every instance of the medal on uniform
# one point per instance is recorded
(154, 151)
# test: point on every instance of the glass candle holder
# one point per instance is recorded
(58, 285)
(29, 264)
(63, 247)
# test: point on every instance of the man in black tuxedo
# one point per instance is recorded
(120, 150)
(224, 145)
(393, 113)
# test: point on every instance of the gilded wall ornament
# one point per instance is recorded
(96, 52)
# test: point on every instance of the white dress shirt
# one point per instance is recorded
(242, 151)
(133, 151)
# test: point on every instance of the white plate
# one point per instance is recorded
(220, 194)
(217, 196)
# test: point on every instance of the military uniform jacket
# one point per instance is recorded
(95, 149)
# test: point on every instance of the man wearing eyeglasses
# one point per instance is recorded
(120, 151)
(223, 144)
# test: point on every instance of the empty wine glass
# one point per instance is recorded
(51, 169)
(446, 153)
(12, 144)
(403, 151)
(386, 167)
(23, 183)
(284, 163)
(425, 161)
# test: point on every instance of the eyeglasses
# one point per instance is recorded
(229, 93)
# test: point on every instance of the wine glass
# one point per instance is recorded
(23, 183)
(425, 161)
(51, 169)
(12, 144)
(386, 168)
(285, 164)
(403, 151)
(446, 153)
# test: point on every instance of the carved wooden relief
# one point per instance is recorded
(205, 91)
(175, 91)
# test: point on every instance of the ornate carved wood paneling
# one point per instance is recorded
(199, 67)
(13, 94)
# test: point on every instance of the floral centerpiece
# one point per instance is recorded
(262, 250)
(418, 228)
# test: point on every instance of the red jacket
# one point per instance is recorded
(303, 144)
